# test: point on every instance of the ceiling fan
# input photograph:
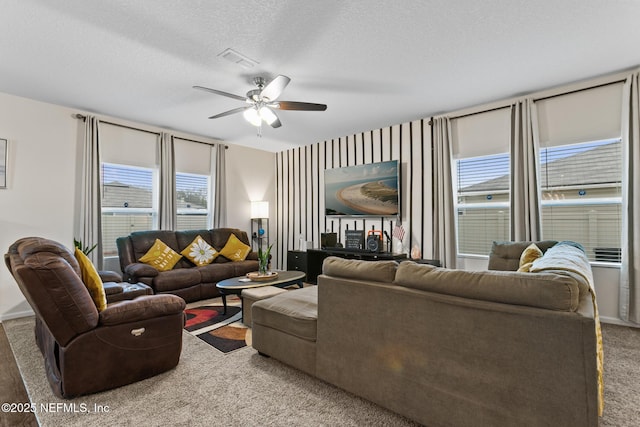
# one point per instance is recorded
(263, 100)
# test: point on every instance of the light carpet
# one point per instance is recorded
(244, 389)
(207, 387)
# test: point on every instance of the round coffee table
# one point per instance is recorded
(235, 285)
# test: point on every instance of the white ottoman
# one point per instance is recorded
(249, 296)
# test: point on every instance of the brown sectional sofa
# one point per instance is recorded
(185, 279)
(444, 347)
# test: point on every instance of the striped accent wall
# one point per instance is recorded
(300, 186)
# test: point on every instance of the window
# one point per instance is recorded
(192, 196)
(581, 196)
(130, 183)
(481, 152)
(581, 168)
(193, 182)
(127, 203)
(129, 180)
(483, 202)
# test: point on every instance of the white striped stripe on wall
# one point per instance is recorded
(300, 186)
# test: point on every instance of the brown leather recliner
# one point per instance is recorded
(86, 351)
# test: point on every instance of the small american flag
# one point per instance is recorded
(398, 232)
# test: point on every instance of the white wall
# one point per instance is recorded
(41, 196)
(39, 200)
(250, 177)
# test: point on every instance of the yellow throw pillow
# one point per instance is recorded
(525, 268)
(91, 280)
(200, 252)
(234, 249)
(160, 256)
(530, 254)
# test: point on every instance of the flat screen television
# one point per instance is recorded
(363, 190)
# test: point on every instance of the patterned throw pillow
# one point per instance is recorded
(530, 254)
(160, 256)
(200, 252)
(235, 250)
(91, 280)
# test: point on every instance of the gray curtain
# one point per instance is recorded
(218, 186)
(167, 216)
(444, 214)
(90, 223)
(525, 188)
(629, 273)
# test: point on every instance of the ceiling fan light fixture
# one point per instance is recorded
(251, 115)
(263, 101)
(267, 115)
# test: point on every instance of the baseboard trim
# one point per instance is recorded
(16, 315)
(616, 321)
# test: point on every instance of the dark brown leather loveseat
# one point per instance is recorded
(86, 351)
(185, 279)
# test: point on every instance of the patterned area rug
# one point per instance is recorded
(207, 315)
(222, 331)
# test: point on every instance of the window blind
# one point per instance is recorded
(587, 115)
(192, 157)
(480, 147)
(127, 146)
(581, 196)
(481, 134)
(192, 196)
(483, 202)
(127, 202)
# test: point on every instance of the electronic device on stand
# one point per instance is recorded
(374, 241)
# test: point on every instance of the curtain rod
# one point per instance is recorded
(579, 90)
(83, 118)
(537, 99)
(480, 112)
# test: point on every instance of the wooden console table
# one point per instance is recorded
(315, 257)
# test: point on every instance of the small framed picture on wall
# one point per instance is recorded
(3, 163)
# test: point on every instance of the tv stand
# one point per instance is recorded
(315, 258)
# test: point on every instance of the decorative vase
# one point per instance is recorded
(263, 260)
(263, 266)
(415, 252)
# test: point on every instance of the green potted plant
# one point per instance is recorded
(85, 249)
(263, 260)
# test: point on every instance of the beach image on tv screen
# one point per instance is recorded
(370, 189)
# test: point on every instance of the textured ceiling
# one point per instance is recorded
(374, 63)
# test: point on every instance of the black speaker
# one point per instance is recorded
(328, 240)
(373, 243)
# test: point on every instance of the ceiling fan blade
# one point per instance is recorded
(219, 92)
(276, 123)
(275, 87)
(300, 106)
(230, 112)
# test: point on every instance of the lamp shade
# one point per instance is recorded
(267, 115)
(251, 115)
(259, 209)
